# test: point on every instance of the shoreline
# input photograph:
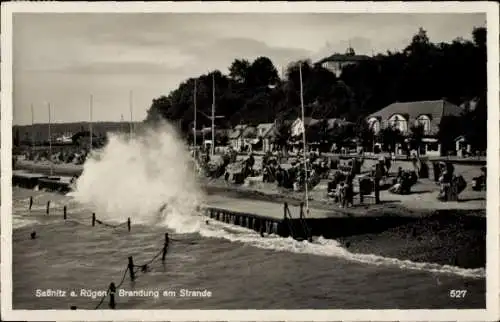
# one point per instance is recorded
(441, 236)
(442, 239)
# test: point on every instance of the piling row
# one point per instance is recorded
(132, 268)
(94, 219)
(260, 224)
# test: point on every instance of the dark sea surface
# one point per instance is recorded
(239, 268)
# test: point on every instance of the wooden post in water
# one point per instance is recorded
(112, 291)
(93, 219)
(131, 268)
(64, 212)
(48, 207)
(285, 208)
(376, 182)
(301, 210)
(31, 203)
(165, 247)
(128, 223)
(360, 192)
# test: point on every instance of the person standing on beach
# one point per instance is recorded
(341, 192)
(167, 239)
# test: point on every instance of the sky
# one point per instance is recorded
(63, 58)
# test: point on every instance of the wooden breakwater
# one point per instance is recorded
(302, 227)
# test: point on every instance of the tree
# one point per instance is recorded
(476, 125)
(342, 134)
(417, 135)
(364, 134)
(450, 128)
(159, 109)
(282, 133)
(390, 137)
(222, 139)
(323, 133)
(422, 71)
(239, 70)
(16, 139)
(318, 133)
(262, 73)
(479, 37)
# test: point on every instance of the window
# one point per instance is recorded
(425, 122)
(434, 146)
(374, 125)
(397, 121)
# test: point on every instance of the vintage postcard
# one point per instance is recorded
(307, 161)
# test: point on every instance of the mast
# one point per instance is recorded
(32, 131)
(90, 124)
(213, 116)
(121, 124)
(194, 125)
(131, 112)
(50, 141)
(304, 137)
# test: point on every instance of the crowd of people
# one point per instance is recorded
(68, 155)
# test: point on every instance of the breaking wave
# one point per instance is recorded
(136, 176)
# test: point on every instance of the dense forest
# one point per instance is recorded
(254, 93)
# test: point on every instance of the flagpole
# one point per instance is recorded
(50, 141)
(304, 137)
(213, 115)
(131, 112)
(194, 126)
(90, 115)
(32, 131)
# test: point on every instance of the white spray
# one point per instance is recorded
(148, 177)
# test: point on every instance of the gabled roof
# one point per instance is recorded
(264, 128)
(234, 134)
(308, 121)
(249, 131)
(288, 122)
(240, 126)
(333, 122)
(344, 58)
(436, 110)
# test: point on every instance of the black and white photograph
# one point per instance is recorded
(239, 160)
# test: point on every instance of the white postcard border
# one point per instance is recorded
(493, 180)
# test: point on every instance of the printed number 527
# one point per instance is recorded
(458, 294)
